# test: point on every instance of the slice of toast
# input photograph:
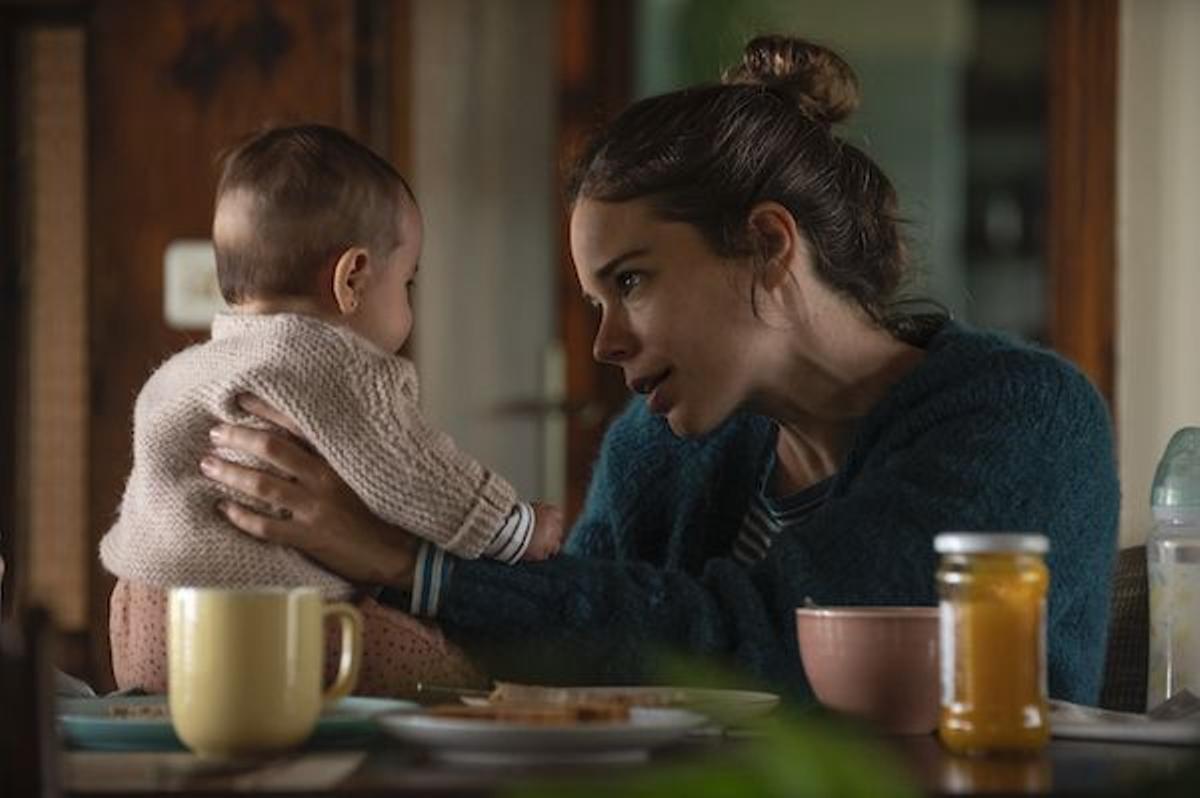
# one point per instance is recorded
(512, 692)
(537, 714)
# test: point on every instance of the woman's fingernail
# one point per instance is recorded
(208, 465)
(217, 433)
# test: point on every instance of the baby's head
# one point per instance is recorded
(307, 218)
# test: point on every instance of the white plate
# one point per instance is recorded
(727, 707)
(1089, 723)
(490, 742)
(90, 723)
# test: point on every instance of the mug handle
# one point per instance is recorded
(347, 673)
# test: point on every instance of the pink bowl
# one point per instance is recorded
(876, 663)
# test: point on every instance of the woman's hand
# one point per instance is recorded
(546, 539)
(315, 512)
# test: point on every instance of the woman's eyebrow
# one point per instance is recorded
(604, 271)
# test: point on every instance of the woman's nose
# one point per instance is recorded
(613, 342)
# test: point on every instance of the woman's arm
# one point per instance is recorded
(655, 609)
(1019, 443)
(1015, 441)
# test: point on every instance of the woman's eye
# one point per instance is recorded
(627, 281)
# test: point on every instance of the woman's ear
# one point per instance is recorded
(350, 273)
(774, 230)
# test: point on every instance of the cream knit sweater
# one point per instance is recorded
(356, 405)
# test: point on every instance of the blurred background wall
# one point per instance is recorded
(484, 134)
(1158, 368)
(913, 74)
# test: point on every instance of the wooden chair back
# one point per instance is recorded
(1126, 663)
(28, 740)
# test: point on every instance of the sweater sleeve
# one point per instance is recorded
(358, 409)
(1018, 446)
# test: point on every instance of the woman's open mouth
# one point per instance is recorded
(649, 387)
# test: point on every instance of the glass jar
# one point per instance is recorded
(993, 641)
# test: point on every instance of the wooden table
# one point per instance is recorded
(1066, 768)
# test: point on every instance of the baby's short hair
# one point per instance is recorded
(291, 198)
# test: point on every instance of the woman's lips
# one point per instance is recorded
(657, 401)
(651, 388)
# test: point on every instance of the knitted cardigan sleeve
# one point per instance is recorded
(358, 408)
(1020, 442)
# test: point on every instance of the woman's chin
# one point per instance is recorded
(684, 425)
(676, 423)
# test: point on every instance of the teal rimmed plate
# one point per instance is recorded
(140, 723)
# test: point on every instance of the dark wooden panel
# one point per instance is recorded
(1081, 218)
(596, 61)
(10, 296)
(171, 83)
(382, 89)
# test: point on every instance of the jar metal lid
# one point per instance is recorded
(991, 542)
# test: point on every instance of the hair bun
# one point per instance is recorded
(816, 78)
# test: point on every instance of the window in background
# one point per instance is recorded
(953, 99)
(1005, 128)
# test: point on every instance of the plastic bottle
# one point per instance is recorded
(1173, 569)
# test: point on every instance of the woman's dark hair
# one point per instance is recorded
(708, 154)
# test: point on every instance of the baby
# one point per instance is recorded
(317, 241)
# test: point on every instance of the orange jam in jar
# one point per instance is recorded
(993, 642)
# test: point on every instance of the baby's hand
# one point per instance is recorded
(547, 536)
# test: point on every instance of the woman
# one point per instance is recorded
(796, 435)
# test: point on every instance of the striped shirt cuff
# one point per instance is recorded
(512, 539)
(430, 577)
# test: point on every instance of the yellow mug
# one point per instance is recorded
(245, 666)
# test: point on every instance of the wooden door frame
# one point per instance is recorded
(10, 292)
(1081, 185)
(595, 62)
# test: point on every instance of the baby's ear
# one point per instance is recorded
(350, 279)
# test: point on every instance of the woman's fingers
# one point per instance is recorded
(285, 455)
(255, 524)
(272, 529)
(272, 490)
(276, 449)
(257, 407)
(312, 508)
(360, 549)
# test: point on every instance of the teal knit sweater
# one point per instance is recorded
(985, 434)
